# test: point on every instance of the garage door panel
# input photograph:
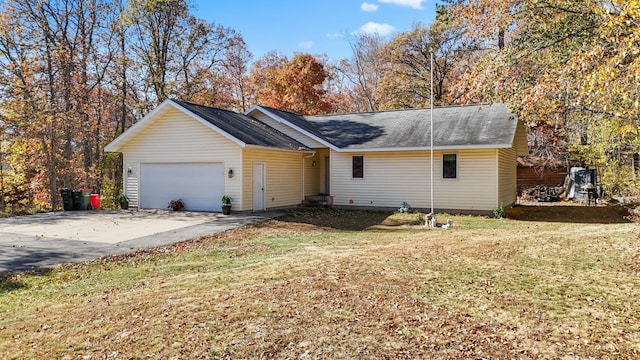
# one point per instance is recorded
(199, 185)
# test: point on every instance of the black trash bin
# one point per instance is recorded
(67, 199)
(81, 199)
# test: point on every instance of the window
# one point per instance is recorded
(357, 167)
(449, 166)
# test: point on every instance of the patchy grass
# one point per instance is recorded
(343, 284)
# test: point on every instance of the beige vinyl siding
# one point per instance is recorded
(389, 179)
(323, 156)
(475, 186)
(283, 173)
(285, 129)
(131, 182)
(393, 177)
(312, 172)
(507, 177)
(164, 141)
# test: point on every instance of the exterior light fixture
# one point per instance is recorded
(230, 173)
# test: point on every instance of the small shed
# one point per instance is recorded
(533, 172)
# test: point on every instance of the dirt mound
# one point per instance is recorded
(570, 212)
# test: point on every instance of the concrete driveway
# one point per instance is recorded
(44, 240)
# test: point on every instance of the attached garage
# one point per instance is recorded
(198, 154)
(199, 185)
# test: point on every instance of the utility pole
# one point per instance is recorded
(433, 215)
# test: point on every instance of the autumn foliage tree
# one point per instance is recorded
(53, 98)
(570, 66)
(408, 81)
(76, 73)
(295, 85)
(396, 73)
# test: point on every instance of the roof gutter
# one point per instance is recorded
(261, 147)
(427, 148)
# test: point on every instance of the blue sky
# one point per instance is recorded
(312, 26)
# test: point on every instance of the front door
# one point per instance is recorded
(258, 187)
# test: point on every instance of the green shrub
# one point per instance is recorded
(498, 213)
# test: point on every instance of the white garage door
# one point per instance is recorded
(199, 185)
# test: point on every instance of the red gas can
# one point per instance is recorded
(95, 201)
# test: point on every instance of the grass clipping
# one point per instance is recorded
(339, 284)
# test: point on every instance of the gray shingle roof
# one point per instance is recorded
(298, 121)
(453, 126)
(244, 128)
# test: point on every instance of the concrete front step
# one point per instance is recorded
(315, 197)
(317, 200)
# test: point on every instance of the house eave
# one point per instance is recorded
(122, 139)
(210, 125)
(426, 148)
(118, 143)
(260, 147)
(289, 124)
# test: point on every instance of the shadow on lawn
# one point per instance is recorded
(360, 220)
(570, 214)
(336, 218)
(10, 283)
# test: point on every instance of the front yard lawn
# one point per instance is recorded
(548, 283)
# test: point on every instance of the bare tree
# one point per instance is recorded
(365, 69)
(156, 26)
(237, 66)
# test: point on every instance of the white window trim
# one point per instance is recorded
(457, 167)
(363, 167)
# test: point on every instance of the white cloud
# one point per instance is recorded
(375, 28)
(306, 44)
(335, 35)
(369, 7)
(414, 4)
